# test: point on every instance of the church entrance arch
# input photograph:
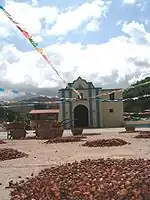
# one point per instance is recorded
(81, 117)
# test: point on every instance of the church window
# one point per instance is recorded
(111, 110)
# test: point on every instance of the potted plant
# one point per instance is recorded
(77, 131)
(18, 133)
(130, 128)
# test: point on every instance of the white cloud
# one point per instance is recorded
(38, 38)
(147, 22)
(72, 19)
(77, 60)
(93, 25)
(62, 22)
(136, 32)
(119, 54)
(141, 4)
(34, 2)
(121, 22)
(129, 1)
(29, 17)
(4, 32)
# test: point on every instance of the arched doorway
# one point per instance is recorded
(81, 117)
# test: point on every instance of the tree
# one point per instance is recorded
(9, 115)
(40, 106)
(140, 88)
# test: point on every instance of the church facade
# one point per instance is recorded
(90, 110)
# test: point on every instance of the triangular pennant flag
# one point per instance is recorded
(32, 42)
(25, 33)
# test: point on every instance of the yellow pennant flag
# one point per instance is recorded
(40, 50)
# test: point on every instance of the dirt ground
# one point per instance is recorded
(45, 155)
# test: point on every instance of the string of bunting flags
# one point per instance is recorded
(15, 91)
(27, 104)
(98, 97)
(140, 113)
(72, 99)
(35, 45)
(41, 52)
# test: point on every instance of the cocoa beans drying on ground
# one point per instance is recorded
(144, 132)
(2, 142)
(82, 136)
(138, 131)
(9, 154)
(102, 179)
(65, 139)
(143, 135)
(105, 143)
(129, 131)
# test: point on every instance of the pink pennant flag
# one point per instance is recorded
(45, 57)
(25, 33)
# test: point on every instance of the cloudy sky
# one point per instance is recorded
(103, 41)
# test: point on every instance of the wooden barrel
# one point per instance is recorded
(49, 133)
(18, 133)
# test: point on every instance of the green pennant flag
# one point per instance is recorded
(33, 43)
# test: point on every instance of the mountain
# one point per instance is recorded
(24, 97)
(40, 99)
(33, 98)
(140, 88)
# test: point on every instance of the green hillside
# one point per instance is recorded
(140, 88)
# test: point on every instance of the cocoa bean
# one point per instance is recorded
(65, 139)
(143, 135)
(2, 142)
(89, 179)
(9, 154)
(105, 143)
